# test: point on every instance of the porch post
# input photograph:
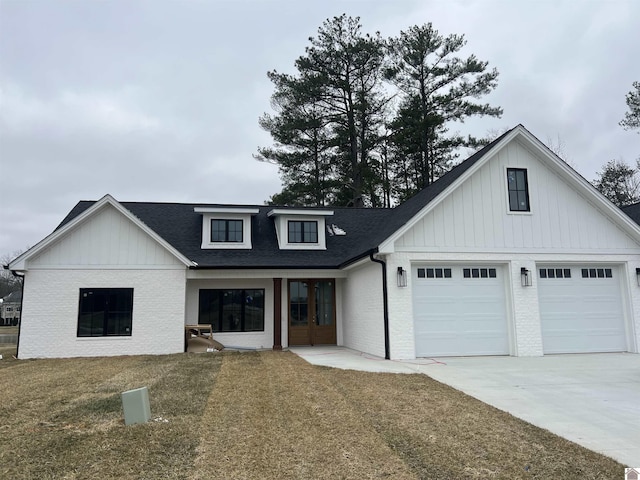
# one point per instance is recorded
(277, 313)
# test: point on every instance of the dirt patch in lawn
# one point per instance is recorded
(264, 415)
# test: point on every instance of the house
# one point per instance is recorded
(510, 253)
(10, 309)
(631, 474)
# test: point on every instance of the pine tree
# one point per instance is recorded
(619, 182)
(436, 88)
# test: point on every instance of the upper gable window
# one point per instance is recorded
(303, 231)
(518, 187)
(226, 230)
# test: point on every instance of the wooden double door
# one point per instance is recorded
(312, 312)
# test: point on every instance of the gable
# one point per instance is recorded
(476, 216)
(105, 239)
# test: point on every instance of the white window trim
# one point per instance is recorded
(282, 218)
(505, 186)
(242, 214)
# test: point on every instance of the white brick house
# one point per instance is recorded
(510, 253)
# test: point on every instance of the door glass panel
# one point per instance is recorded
(298, 303)
(324, 303)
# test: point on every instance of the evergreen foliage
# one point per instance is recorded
(365, 121)
(619, 182)
(631, 118)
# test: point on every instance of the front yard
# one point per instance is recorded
(263, 415)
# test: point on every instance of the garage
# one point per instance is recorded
(459, 310)
(581, 309)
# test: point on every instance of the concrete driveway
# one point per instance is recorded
(590, 399)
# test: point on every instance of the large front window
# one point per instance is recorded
(105, 312)
(232, 310)
(303, 231)
(226, 230)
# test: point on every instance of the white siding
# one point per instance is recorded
(363, 326)
(106, 239)
(475, 216)
(240, 339)
(50, 313)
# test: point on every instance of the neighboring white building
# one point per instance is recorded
(510, 253)
(10, 309)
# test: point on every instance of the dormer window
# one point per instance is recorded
(226, 227)
(300, 229)
(303, 231)
(226, 230)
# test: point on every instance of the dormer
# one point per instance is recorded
(299, 229)
(226, 227)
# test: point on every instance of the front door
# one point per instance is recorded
(312, 317)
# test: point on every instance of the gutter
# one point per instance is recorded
(385, 302)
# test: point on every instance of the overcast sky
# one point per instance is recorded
(159, 100)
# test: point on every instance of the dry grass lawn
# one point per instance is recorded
(263, 415)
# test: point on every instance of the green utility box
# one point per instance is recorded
(135, 404)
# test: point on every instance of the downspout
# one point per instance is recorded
(385, 304)
(21, 277)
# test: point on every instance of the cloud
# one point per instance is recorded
(72, 112)
(159, 101)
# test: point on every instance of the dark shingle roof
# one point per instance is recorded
(366, 228)
(633, 211)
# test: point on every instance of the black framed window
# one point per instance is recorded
(237, 310)
(226, 230)
(555, 273)
(105, 312)
(597, 273)
(518, 186)
(434, 273)
(479, 273)
(303, 231)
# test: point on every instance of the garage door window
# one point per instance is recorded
(597, 273)
(555, 273)
(479, 273)
(434, 273)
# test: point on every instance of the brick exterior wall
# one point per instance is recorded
(633, 294)
(363, 325)
(523, 313)
(258, 340)
(50, 313)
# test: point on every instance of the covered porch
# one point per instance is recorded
(260, 309)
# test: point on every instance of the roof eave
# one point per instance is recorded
(19, 263)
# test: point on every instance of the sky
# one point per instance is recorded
(159, 100)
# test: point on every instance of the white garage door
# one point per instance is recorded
(581, 309)
(459, 310)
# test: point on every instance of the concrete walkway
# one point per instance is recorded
(590, 399)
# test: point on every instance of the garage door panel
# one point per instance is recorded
(582, 313)
(458, 315)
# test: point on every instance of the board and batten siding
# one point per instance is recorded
(475, 217)
(107, 239)
(106, 250)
